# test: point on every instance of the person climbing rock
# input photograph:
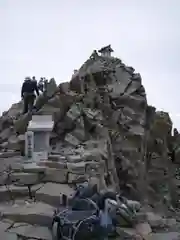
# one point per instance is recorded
(27, 93)
(41, 84)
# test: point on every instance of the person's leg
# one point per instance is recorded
(25, 110)
(31, 102)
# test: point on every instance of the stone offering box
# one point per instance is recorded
(41, 126)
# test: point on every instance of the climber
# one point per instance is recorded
(34, 78)
(27, 93)
(46, 84)
(41, 84)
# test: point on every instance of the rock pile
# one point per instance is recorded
(103, 129)
(102, 115)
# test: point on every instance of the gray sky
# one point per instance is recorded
(51, 38)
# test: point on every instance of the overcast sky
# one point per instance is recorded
(51, 38)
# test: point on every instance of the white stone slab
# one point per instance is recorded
(34, 126)
(42, 118)
(41, 123)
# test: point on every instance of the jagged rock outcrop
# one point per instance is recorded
(159, 166)
(102, 115)
(111, 110)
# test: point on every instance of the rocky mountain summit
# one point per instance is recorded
(104, 128)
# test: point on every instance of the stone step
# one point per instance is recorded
(11, 192)
(30, 178)
(9, 154)
(78, 168)
(48, 171)
(17, 166)
(34, 174)
(74, 158)
(33, 168)
(55, 175)
(51, 193)
(32, 213)
(56, 158)
(63, 176)
(25, 178)
(27, 231)
(74, 178)
(52, 164)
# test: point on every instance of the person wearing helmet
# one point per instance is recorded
(27, 93)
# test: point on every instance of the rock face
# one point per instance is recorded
(103, 124)
(159, 167)
(111, 111)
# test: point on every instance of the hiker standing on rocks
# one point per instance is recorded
(27, 93)
(41, 84)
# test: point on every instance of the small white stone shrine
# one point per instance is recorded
(106, 51)
(39, 130)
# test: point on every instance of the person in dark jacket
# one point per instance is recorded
(27, 93)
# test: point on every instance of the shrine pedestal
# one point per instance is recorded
(40, 128)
